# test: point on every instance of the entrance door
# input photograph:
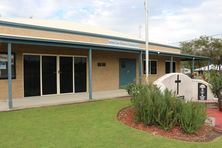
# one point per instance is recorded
(80, 74)
(49, 75)
(127, 72)
(31, 75)
(66, 74)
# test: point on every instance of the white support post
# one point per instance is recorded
(147, 39)
(140, 66)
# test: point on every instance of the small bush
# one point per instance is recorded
(215, 79)
(143, 101)
(163, 109)
(133, 89)
(192, 116)
(156, 108)
(167, 110)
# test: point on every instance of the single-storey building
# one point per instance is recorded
(58, 57)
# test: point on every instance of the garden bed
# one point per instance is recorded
(205, 134)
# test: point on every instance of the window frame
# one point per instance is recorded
(150, 63)
(174, 68)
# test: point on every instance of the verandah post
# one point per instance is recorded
(10, 103)
(171, 64)
(90, 72)
(193, 65)
(208, 66)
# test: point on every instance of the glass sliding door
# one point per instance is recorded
(80, 74)
(45, 75)
(66, 74)
(49, 75)
(31, 75)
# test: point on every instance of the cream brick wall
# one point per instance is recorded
(104, 78)
(161, 67)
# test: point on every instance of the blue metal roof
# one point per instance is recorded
(81, 45)
(44, 28)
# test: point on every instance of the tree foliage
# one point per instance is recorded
(204, 46)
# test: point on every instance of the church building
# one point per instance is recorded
(58, 57)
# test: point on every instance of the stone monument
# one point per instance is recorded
(186, 88)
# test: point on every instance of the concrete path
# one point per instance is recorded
(30, 102)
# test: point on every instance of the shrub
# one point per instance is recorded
(192, 117)
(133, 89)
(163, 109)
(156, 108)
(215, 79)
(167, 110)
(143, 101)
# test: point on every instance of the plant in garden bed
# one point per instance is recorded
(163, 109)
(133, 88)
(167, 111)
(192, 117)
(154, 107)
(144, 100)
(215, 79)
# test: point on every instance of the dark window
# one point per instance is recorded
(4, 66)
(152, 67)
(167, 67)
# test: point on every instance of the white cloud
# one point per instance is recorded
(168, 23)
(204, 19)
(167, 26)
(28, 8)
(123, 16)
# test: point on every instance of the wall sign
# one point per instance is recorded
(4, 65)
(101, 64)
(202, 91)
(122, 43)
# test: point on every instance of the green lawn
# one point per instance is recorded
(91, 124)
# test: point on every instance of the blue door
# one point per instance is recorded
(127, 72)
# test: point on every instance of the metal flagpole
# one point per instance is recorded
(147, 39)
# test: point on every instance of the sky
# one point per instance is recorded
(170, 21)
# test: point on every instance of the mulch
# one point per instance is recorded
(205, 134)
(214, 112)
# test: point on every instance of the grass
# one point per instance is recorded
(91, 124)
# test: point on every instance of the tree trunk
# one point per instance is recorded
(219, 95)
